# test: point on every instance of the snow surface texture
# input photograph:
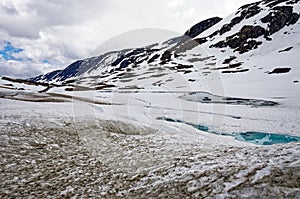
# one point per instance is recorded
(48, 154)
(179, 119)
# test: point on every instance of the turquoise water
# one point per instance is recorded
(197, 126)
(265, 138)
(259, 138)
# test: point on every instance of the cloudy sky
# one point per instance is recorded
(37, 36)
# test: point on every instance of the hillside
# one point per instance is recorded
(255, 46)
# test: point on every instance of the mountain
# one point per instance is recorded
(253, 48)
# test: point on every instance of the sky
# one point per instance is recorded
(38, 36)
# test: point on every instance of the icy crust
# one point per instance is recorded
(44, 154)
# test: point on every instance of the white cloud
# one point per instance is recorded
(62, 31)
(17, 69)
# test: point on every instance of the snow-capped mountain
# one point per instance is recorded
(255, 45)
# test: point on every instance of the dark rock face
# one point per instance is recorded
(253, 31)
(124, 59)
(240, 41)
(152, 59)
(272, 3)
(243, 41)
(70, 71)
(293, 2)
(61, 75)
(236, 71)
(166, 56)
(286, 50)
(133, 57)
(250, 45)
(187, 42)
(128, 58)
(280, 70)
(246, 12)
(228, 60)
(280, 17)
(202, 26)
(49, 76)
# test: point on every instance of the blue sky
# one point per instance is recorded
(8, 51)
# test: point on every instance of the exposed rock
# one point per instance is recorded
(280, 17)
(49, 76)
(187, 42)
(213, 34)
(182, 66)
(246, 12)
(235, 65)
(228, 60)
(249, 45)
(226, 28)
(280, 70)
(202, 26)
(230, 66)
(240, 41)
(236, 71)
(272, 3)
(251, 32)
(292, 2)
(132, 57)
(70, 71)
(285, 50)
(166, 56)
(194, 31)
(152, 59)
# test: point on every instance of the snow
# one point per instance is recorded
(114, 143)
(134, 154)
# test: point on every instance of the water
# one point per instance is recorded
(265, 138)
(259, 138)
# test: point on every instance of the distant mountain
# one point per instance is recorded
(120, 58)
(256, 47)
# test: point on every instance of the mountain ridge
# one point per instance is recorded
(213, 48)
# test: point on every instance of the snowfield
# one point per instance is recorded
(119, 149)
